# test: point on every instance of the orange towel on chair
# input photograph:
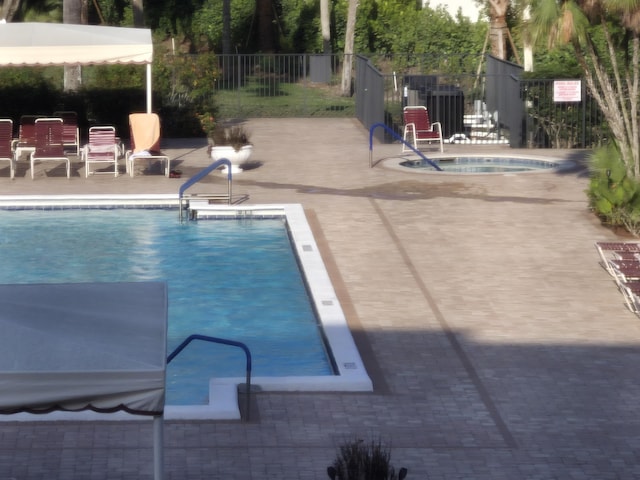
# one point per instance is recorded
(145, 132)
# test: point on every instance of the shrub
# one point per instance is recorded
(614, 195)
(357, 460)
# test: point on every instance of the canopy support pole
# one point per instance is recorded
(148, 88)
(158, 445)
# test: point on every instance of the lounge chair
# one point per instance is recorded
(6, 152)
(102, 149)
(630, 294)
(49, 143)
(26, 141)
(616, 251)
(145, 141)
(418, 128)
(70, 131)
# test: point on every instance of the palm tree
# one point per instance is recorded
(610, 64)
(498, 29)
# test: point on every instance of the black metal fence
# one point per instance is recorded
(560, 124)
(476, 100)
(281, 85)
(495, 106)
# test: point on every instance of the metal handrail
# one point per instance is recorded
(203, 173)
(223, 341)
(397, 137)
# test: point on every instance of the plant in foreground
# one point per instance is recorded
(235, 136)
(357, 460)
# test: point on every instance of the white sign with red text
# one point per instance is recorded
(567, 90)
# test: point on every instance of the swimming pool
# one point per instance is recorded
(251, 281)
(476, 164)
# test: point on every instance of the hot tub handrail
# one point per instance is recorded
(397, 137)
(223, 341)
(203, 173)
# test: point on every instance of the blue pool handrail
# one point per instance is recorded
(223, 341)
(203, 173)
(397, 137)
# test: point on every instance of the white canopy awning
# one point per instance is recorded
(25, 44)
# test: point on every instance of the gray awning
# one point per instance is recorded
(96, 346)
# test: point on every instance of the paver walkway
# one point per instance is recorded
(498, 346)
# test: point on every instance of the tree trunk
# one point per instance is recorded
(226, 27)
(349, 42)
(527, 41)
(138, 13)
(9, 9)
(325, 25)
(73, 12)
(266, 23)
(498, 30)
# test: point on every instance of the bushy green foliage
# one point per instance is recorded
(301, 26)
(405, 27)
(186, 84)
(27, 91)
(560, 62)
(183, 94)
(614, 195)
(207, 24)
(113, 76)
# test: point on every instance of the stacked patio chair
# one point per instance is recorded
(49, 143)
(70, 131)
(6, 152)
(26, 141)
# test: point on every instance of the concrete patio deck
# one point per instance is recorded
(498, 347)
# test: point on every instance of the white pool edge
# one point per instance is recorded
(351, 375)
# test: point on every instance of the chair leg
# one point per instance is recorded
(408, 131)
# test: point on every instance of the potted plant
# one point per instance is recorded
(231, 143)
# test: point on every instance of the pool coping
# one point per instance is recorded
(351, 375)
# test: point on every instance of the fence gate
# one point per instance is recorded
(503, 98)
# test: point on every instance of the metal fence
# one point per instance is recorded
(495, 106)
(281, 85)
(566, 124)
(475, 101)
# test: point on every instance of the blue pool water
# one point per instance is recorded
(235, 279)
(477, 164)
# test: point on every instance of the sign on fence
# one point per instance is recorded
(567, 90)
